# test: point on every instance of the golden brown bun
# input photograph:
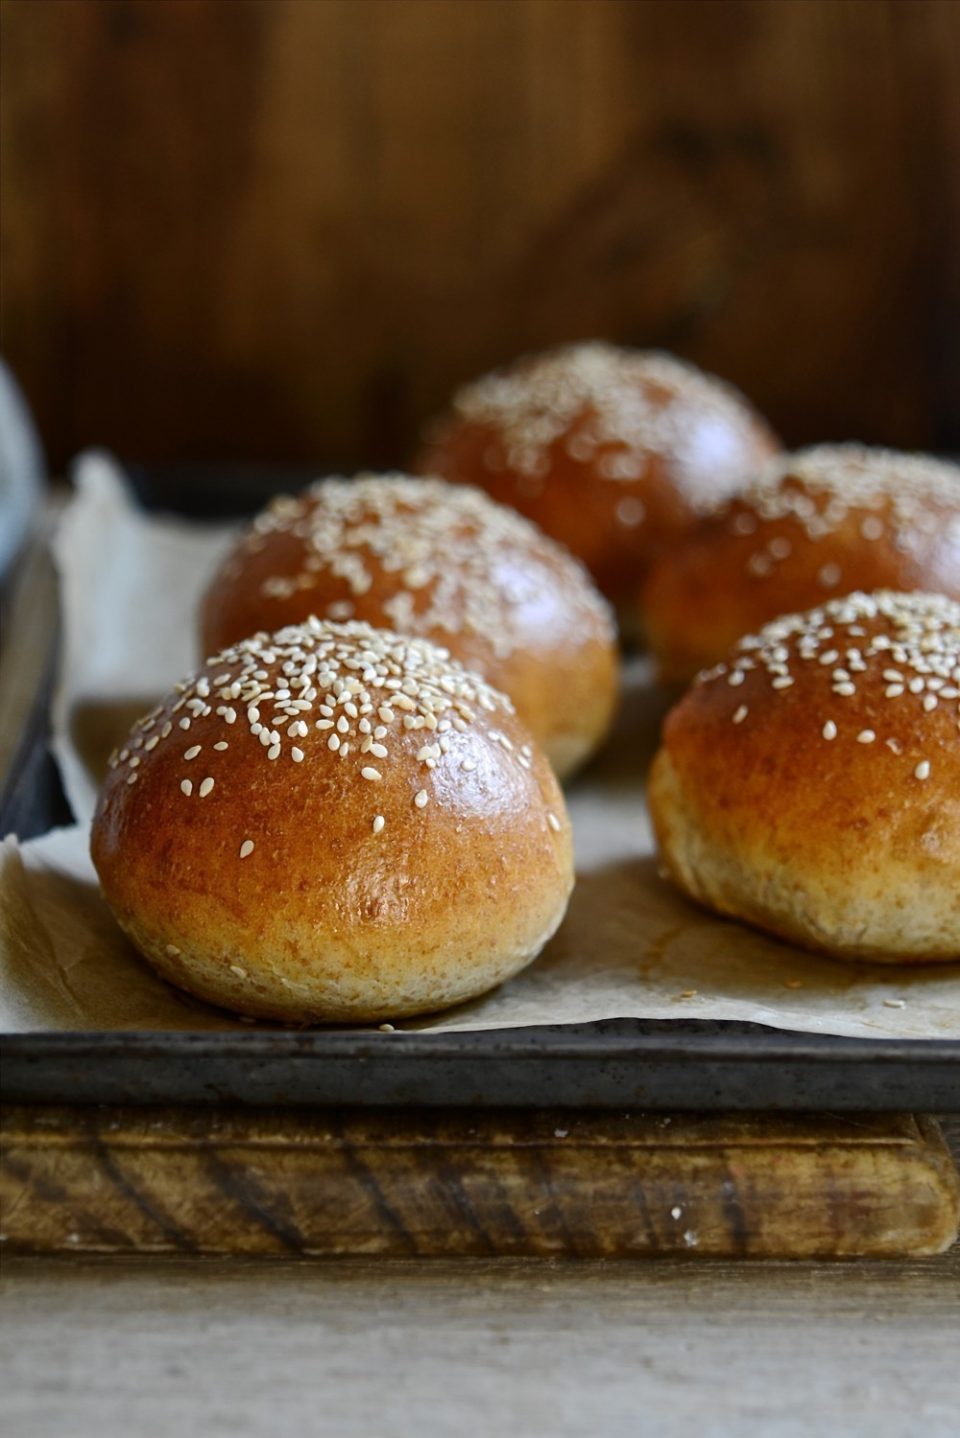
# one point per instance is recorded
(817, 524)
(811, 783)
(445, 563)
(612, 452)
(269, 854)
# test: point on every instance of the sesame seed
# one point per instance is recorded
(186, 787)
(378, 823)
(553, 821)
(368, 772)
(866, 736)
(274, 751)
(221, 745)
(246, 848)
(829, 730)
(895, 1003)
(173, 951)
(922, 771)
(205, 788)
(296, 755)
(184, 723)
(468, 766)
(192, 753)
(421, 798)
(741, 714)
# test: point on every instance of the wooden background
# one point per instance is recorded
(283, 229)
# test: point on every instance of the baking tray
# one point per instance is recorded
(670, 1065)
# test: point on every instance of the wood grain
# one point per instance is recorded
(281, 231)
(236, 1181)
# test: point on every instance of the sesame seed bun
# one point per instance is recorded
(810, 783)
(613, 452)
(813, 526)
(445, 563)
(333, 824)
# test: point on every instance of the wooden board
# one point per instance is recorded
(240, 1181)
(282, 231)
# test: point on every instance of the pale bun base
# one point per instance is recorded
(335, 984)
(853, 909)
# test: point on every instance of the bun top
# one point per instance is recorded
(821, 522)
(905, 496)
(876, 677)
(432, 558)
(617, 407)
(346, 688)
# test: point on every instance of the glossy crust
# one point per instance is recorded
(821, 523)
(445, 563)
(612, 452)
(278, 892)
(825, 809)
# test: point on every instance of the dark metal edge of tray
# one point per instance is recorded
(665, 1065)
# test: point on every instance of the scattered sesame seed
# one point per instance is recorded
(186, 787)
(173, 951)
(192, 753)
(239, 970)
(205, 788)
(741, 714)
(421, 798)
(368, 772)
(378, 823)
(553, 821)
(866, 736)
(220, 745)
(246, 848)
(296, 755)
(895, 1003)
(922, 771)
(829, 730)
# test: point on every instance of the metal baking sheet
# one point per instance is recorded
(618, 1064)
(621, 1063)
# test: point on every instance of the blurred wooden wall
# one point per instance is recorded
(283, 229)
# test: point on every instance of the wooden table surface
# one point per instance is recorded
(389, 1348)
(380, 1349)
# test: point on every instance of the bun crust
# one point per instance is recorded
(810, 784)
(815, 525)
(443, 563)
(612, 452)
(333, 824)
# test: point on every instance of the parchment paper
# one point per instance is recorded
(630, 946)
